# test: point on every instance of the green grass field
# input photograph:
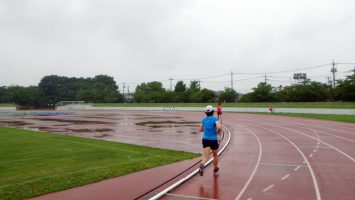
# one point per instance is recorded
(7, 105)
(345, 105)
(35, 163)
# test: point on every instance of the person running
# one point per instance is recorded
(211, 128)
(219, 111)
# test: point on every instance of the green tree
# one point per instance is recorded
(310, 91)
(345, 90)
(180, 92)
(228, 95)
(207, 96)
(152, 92)
(194, 92)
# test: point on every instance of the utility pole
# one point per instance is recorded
(123, 86)
(333, 70)
(199, 84)
(329, 81)
(354, 70)
(171, 84)
(232, 80)
(265, 79)
(128, 93)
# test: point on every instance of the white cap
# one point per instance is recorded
(209, 108)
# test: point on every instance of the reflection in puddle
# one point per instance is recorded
(101, 136)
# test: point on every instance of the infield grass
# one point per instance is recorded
(34, 163)
(7, 105)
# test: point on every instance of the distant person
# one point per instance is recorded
(270, 109)
(211, 128)
(219, 111)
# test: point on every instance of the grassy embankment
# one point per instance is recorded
(35, 163)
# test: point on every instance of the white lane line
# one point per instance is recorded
(338, 150)
(268, 188)
(311, 155)
(249, 198)
(285, 177)
(188, 197)
(314, 180)
(297, 168)
(255, 168)
(304, 162)
(315, 150)
(160, 194)
(280, 164)
(337, 136)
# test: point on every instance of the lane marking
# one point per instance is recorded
(297, 168)
(176, 184)
(311, 155)
(338, 150)
(249, 198)
(314, 180)
(281, 164)
(315, 150)
(255, 168)
(188, 197)
(268, 188)
(285, 177)
(337, 136)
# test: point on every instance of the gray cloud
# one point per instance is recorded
(138, 41)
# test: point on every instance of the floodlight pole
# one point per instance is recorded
(232, 80)
(333, 70)
(171, 84)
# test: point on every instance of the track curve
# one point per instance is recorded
(275, 157)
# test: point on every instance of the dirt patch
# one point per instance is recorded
(103, 130)
(83, 130)
(102, 135)
(15, 123)
(74, 121)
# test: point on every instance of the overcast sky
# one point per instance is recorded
(153, 40)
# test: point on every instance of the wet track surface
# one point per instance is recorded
(269, 157)
(174, 132)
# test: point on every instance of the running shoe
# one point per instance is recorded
(216, 170)
(201, 169)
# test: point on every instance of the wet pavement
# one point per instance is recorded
(154, 129)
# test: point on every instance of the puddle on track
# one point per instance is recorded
(141, 129)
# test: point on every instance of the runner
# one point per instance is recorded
(219, 111)
(210, 126)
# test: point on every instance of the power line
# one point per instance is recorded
(293, 70)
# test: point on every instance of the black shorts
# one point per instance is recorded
(213, 144)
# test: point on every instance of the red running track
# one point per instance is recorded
(269, 157)
(275, 157)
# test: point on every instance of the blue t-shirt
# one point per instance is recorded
(209, 128)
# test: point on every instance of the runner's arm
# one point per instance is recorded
(219, 127)
(201, 128)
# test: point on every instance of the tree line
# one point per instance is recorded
(103, 89)
(53, 89)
